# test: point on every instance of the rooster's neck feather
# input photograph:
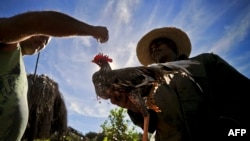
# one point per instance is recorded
(105, 67)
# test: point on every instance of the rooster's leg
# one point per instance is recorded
(150, 101)
(145, 128)
(139, 103)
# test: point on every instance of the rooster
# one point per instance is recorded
(136, 82)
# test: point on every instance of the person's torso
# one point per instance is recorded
(13, 79)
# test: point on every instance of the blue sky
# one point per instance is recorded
(218, 26)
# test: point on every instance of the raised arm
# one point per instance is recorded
(50, 23)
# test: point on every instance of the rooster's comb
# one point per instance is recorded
(101, 56)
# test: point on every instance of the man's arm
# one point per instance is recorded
(50, 23)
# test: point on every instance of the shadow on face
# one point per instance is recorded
(163, 50)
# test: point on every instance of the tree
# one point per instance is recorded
(116, 127)
(47, 110)
(93, 136)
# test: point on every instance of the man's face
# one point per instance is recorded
(162, 53)
(34, 44)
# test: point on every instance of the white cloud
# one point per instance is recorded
(122, 12)
(233, 34)
(89, 107)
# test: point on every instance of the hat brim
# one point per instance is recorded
(180, 38)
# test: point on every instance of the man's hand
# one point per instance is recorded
(101, 34)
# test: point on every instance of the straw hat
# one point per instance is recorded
(180, 38)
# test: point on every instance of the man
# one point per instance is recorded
(26, 34)
(191, 112)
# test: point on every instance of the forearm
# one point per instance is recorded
(51, 23)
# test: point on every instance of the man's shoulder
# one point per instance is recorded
(203, 56)
(206, 58)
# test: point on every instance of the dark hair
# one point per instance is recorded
(171, 44)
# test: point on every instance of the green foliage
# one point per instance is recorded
(116, 127)
(93, 136)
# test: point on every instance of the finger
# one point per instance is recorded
(101, 40)
(107, 38)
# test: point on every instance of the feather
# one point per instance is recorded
(178, 66)
(170, 68)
